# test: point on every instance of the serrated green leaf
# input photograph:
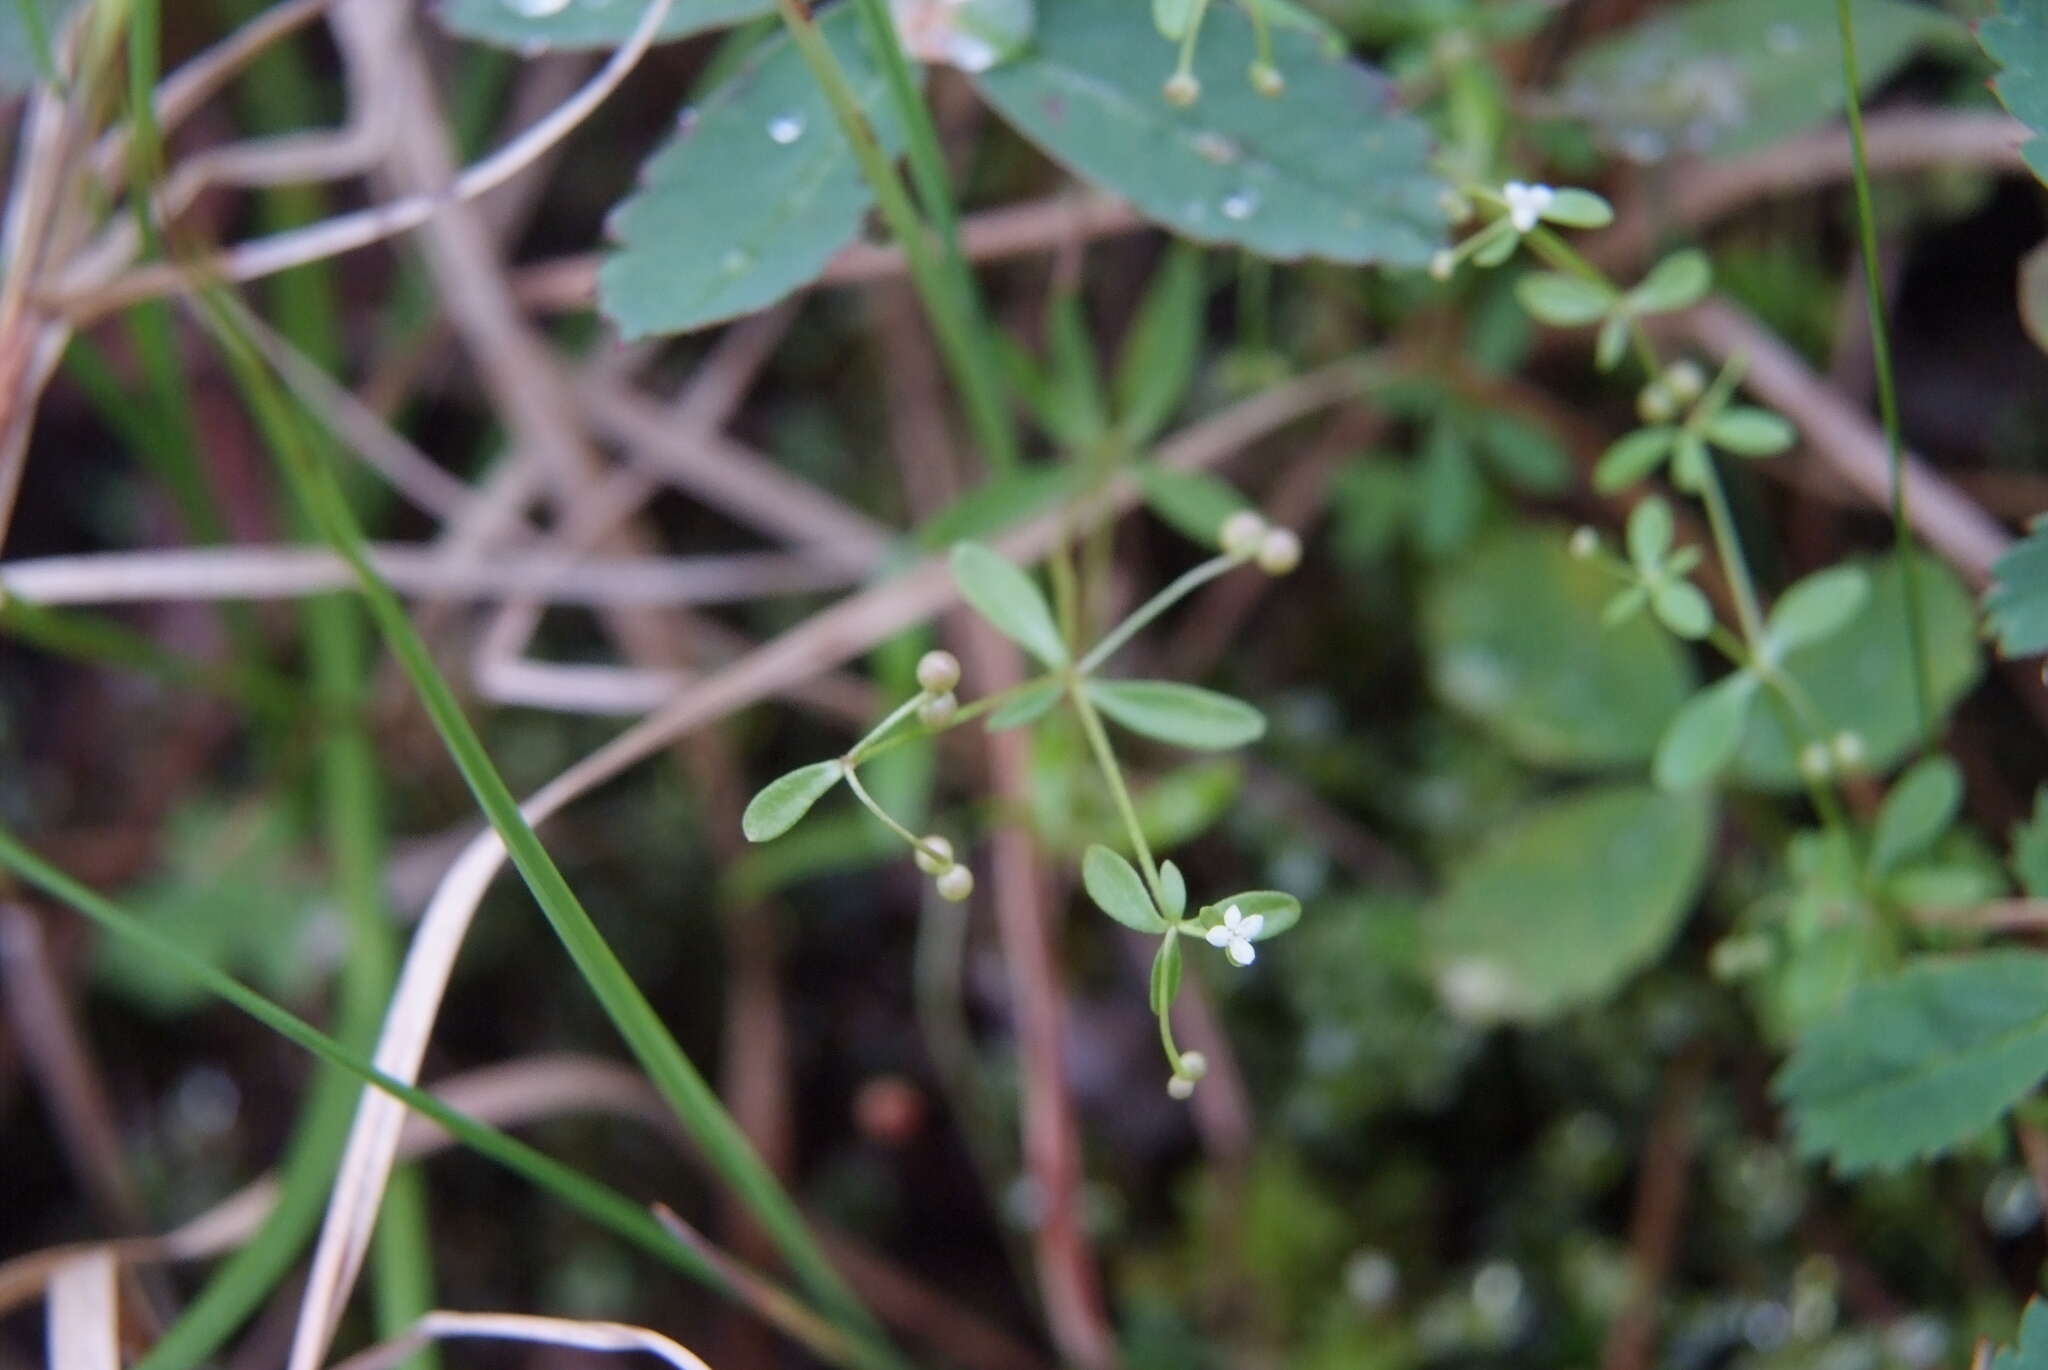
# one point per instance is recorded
(2016, 37)
(1234, 167)
(2030, 848)
(1157, 362)
(1632, 458)
(1007, 598)
(1726, 77)
(1678, 282)
(1817, 607)
(2031, 1351)
(1193, 502)
(751, 198)
(1919, 808)
(1750, 432)
(1277, 911)
(1563, 301)
(1185, 715)
(1028, 705)
(1119, 891)
(784, 800)
(1166, 972)
(1913, 1065)
(1564, 904)
(1514, 639)
(1859, 680)
(526, 29)
(1702, 739)
(1174, 887)
(2017, 602)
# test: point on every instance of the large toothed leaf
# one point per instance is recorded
(2031, 1350)
(2016, 37)
(1330, 169)
(1562, 906)
(776, 809)
(1185, 715)
(1515, 639)
(1119, 891)
(751, 197)
(1009, 600)
(2018, 599)
(1859, 677)
(1729, 76)
(1914, 1065)
(539, 25)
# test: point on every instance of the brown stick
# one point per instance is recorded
(1659, 1206)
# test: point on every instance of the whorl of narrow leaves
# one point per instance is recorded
(1117, 889)
(1008, 599)
(1913, 1065)
(1185, 715)
(776, 809)
(2018, 599)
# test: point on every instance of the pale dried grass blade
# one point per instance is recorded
(84, 1313)
(520, 1327)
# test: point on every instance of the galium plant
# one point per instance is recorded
(1150, 897)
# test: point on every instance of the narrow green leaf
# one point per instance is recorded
(1702, 739)
(1678, 282)
(1612, 344)
(1649, 534)
(1750, 432)
(1026, 706)
(1073, 373)
(1682, 608)
(1166, 972)
(1174, 886)
(1119, 891)
(1632, 458)
(776, 809)
(1235, 166)
(1277, 911)
(1817, 607)
(1006, 597)
(1185, 715)
(1523, 454)
(1918, 810)
(1157, 363)
(751, 197)
(1912, 1066)
(1195, 503)
(528, 29)
(1563, 301)
(1575, 208)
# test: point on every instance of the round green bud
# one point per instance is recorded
(1242, 533)
(1656, 404)
(1181, 89)
(934, 855)
(1685, 381)
(1180, 1087)
(938, 672)
(1585, 542)
(1816, 763)
(955, 883)
(938, 711)
(1194, 1064)
(1267, 80)
(1279, 552)
(1443, 265)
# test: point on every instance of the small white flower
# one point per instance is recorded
(1235, 933)
(1526, 203)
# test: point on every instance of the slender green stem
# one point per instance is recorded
(1187, 583)
(1722, 525)
(1113, 776)
(1186, 62)
(668, 1069)
(1887, 386)
(597, 1201)
(864, 748)
(860, 792)
(961, 334)
(966, 713)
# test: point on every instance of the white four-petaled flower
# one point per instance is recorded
(1235, 933)
(1526, 203)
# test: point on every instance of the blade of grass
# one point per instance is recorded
(595, 1200)
(102, 641)
(695, 1104)
(1887, 387)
